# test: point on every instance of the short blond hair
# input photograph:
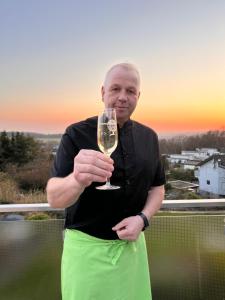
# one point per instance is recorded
(126, 66)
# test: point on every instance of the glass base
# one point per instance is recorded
(107, 187)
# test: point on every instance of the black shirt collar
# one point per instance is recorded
(126, 126)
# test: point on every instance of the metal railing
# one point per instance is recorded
(191, 203)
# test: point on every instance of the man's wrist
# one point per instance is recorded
(77, 186)
(145, 220)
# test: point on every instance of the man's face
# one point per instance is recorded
(121, 91)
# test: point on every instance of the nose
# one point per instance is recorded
(122, 97)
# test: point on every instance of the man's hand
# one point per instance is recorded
(129, 228)
(91, 165)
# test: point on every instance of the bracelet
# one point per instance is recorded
(145, 220)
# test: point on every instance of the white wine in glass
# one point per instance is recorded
(107, 138)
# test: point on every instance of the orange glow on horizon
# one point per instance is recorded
(164, 111)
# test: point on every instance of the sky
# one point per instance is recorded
(54, 55)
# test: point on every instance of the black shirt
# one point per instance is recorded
(137, 167)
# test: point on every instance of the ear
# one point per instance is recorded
(103, 93)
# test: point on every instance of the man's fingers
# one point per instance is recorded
(92, 166)
(123, 237)
(120, 225)
(94, 161)
(124, 234)
(96, 154)
(103, 164)
(128, 229)
(89, 178)
(90, 169)
(94, 158)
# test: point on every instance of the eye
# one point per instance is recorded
(115, 89)
(131, 92)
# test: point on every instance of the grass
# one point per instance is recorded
(10, 192)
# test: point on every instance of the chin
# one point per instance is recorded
(122, 112)
(120, 116)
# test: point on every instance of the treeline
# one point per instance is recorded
(37, 135)
(17, 149)
(211, 139)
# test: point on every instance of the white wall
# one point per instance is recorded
(208, 172)
(177, 158)
(189, 167)
(221, 181)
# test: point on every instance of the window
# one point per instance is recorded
(208, 182)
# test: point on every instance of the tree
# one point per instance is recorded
(210, 139)
(165, 162)
(5, 149)
(17, 149)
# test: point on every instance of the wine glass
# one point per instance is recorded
(107, 139)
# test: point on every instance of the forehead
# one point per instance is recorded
(122, 76)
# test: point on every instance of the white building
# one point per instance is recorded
(189, 158)
(190, 154)
(177, 158)
(211, 175)
(54, 150)
(200, 153)
(190, 164)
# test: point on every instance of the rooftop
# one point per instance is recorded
(182, 185)
(220, 158)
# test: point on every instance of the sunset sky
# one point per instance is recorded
(54, 55)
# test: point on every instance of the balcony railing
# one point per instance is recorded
(186, 252)
(166, 204)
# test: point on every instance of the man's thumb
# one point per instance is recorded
(119, 226)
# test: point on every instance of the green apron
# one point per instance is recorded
(97, 269)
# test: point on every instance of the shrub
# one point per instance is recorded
(181, 174)
(168, 186)
(37, 216)
(32, 197)
(9, 192)
(32, 176)
(191, 195)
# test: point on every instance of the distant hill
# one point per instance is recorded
(169, 135)
(210, 139)
(44, 136)
(37, 135)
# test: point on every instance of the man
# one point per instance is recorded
(104, 254)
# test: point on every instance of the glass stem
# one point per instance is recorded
(107, 182)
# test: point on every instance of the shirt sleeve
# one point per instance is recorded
(64, 159)
(159, 178)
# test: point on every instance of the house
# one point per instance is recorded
(211, 175)
(190, 164)
(177, 158)
(55, 149)
(189, 159)
(200, 153)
